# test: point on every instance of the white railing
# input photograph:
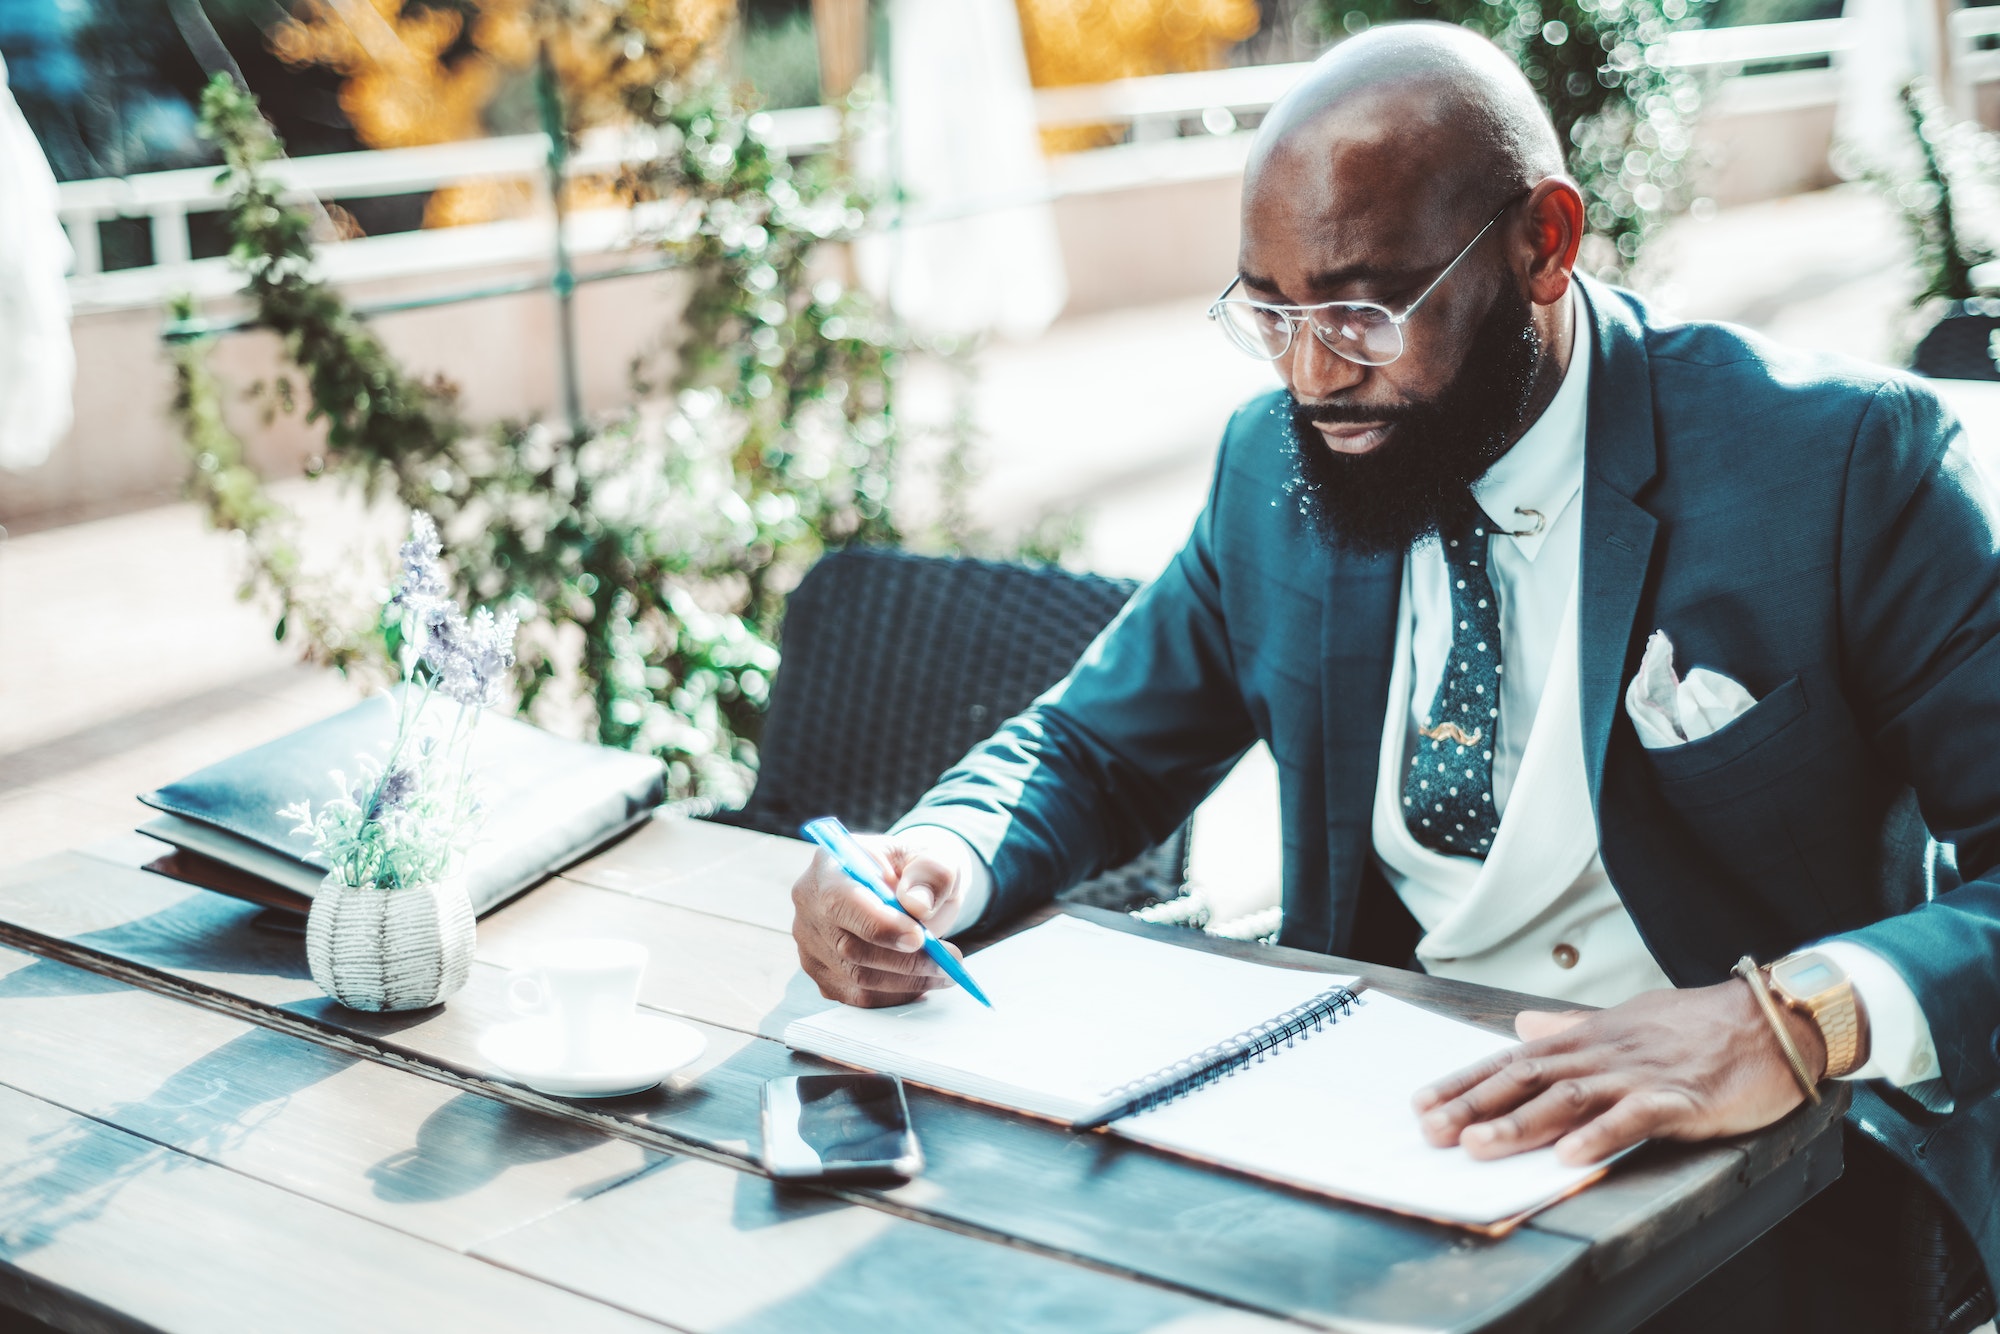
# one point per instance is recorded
(1733, 48)
(1975, 47)
(166, 198)
(1155, 108)
(1167, 96)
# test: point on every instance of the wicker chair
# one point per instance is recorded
(896, 665)
(1964, 345)
(1945, 1290)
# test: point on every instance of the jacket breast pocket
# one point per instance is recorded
(1751, 751)
(1772, 797)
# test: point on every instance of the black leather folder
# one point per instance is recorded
(549, 802)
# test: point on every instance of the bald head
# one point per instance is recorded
(1386, 161)
(1413, 177)
(1427, 108)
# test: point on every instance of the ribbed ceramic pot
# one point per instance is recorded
(390, 949)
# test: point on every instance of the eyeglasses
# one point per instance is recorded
(1365, 332)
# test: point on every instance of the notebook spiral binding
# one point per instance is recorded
(1226, 1057)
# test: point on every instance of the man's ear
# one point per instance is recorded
(1554, 224)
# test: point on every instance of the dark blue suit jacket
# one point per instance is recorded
(1806, 526)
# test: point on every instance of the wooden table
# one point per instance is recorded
(192, 1138)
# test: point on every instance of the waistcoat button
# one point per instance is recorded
(1564, 955)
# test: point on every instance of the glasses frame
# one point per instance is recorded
(1294, 316)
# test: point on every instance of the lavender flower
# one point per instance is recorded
(423, 587)
(409, 821)
(398, 786)
(490, 652)
(468, 660)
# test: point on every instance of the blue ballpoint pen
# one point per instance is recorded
(831, 834)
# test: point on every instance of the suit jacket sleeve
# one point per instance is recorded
(1920, 595)
(1113, 758)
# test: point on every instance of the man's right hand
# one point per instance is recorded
(858, 949)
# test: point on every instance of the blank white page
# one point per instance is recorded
(1078, 1011)
(1333, 1114)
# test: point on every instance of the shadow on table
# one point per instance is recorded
(209, 933)
(468, 1142)
(73, 1172)
(203, 932)
(942, 1274)
(47, 978)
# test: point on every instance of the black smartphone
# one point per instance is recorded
(839, 1127)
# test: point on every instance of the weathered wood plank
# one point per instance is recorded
(113, 909)
(176, 1243)
(451, 1168)
(172, 930)
(799, 1262)
(724, 972)
(707, 867)
(756, 892)
(1665, 1193)
(1094, 1196)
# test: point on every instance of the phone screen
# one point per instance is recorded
(818, 1125)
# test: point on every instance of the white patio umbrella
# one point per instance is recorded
(37, 362)
(978, 251)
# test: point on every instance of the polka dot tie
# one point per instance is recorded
(1448, 793)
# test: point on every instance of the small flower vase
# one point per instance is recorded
(390, 949)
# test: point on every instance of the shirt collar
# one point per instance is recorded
(1543, 472)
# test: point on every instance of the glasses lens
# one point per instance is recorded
(1258, 330)
(1360, 332)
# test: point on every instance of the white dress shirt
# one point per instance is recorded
(1538, 914)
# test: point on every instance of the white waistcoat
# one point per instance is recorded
(1541, 896)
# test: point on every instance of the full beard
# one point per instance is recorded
(1420, 479)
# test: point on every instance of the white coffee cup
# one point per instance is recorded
(590, 989)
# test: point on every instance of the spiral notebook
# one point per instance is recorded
(1291, 1076)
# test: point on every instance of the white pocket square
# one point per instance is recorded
(1671, 711)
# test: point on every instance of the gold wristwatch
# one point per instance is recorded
(1818, 988)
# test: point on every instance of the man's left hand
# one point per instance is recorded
(1693, 1064)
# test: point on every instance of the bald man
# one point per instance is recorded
(1597, 653)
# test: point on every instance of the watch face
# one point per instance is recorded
(1807, 976)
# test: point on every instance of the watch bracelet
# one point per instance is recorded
(1839, 1027)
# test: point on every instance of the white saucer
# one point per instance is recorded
(526, 1052)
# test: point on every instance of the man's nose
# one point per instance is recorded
(1315, 372)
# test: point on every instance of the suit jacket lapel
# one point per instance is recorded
(1620, 458)
(1357, 642)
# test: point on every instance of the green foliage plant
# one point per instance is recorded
(1625, 117)
(233, 497)
(1955, 159)
(647, 555)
